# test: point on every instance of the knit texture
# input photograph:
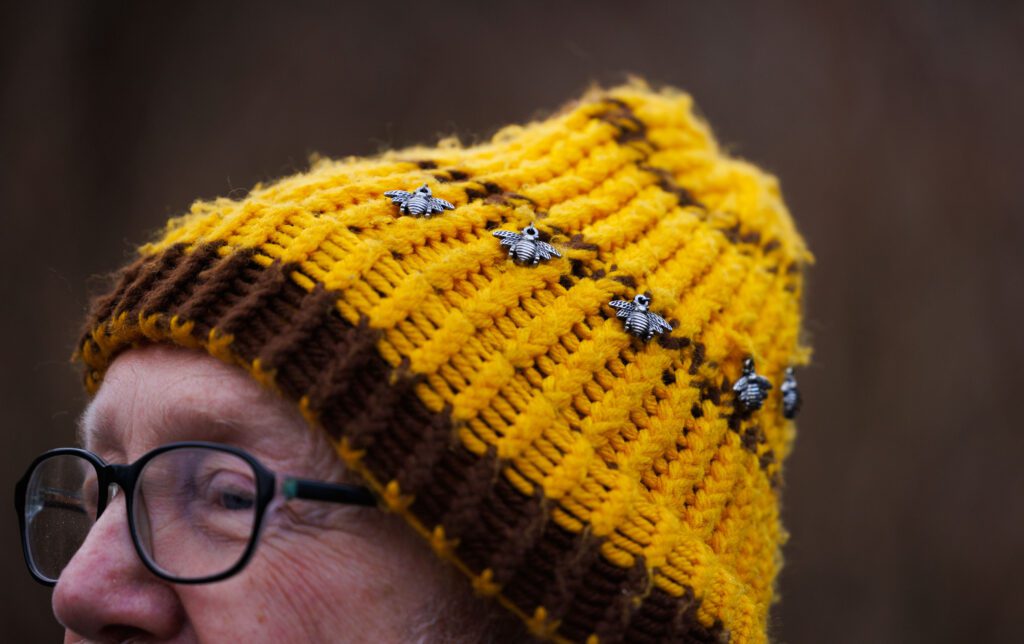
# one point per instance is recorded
(601, 487)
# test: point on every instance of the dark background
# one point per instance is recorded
(896, 128)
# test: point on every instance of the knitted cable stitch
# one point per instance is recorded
(601, 487)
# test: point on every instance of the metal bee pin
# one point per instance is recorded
(526, 246)
(421, 202)
(791, 400)
(751, 389)
(640, 321)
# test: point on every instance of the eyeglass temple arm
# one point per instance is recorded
(330, 492)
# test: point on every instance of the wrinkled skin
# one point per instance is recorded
(321, 572)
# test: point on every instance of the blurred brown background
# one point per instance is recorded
(897, 129)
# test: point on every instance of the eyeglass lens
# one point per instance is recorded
(194, 511)
(60, 508)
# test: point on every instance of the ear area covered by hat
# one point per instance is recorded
(603, 485)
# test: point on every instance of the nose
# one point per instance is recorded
(106, 593)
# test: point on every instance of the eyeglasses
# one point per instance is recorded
(194, 508)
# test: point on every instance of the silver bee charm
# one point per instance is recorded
(640, 321)
(421, 202)
(526, 246)
(751, 389)
(791, 400)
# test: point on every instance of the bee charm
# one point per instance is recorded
(526, 246)
(639, 321)
(790, 395)
(751, 389)
(422, 202)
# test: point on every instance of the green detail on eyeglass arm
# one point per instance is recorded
(290, 488)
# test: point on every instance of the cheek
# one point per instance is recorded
(305, 587)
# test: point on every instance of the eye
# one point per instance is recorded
(236, 501)
(228, 490)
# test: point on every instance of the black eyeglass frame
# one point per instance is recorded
(126, 477)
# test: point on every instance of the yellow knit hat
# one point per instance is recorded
(602, 486)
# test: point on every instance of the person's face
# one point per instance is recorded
(321, 572)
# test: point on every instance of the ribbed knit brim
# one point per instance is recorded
(602, 487)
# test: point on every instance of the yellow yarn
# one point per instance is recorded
(532, 370)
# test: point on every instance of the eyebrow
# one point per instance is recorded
(86, 427)
(97, 430)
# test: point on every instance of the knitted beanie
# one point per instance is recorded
(603, 484)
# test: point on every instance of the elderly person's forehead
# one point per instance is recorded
(159, 394)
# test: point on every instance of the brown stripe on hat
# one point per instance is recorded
(664, 618)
